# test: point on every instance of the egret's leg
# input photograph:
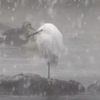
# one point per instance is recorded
(49, 72)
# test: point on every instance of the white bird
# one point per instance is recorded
(50, 44)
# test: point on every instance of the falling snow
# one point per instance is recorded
(12, 18)
(79, 22)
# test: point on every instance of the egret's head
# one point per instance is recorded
(27, 25)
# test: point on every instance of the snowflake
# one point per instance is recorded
(91, 59)
(98, 17)
(87, 50)
(12, 42)
(23, 2)
(5, 55)
(12, 18)
(75, 35)
(82, 15)
(8, 7)
(74, 75)
(51, 12)
(54, 2)
(79, 23)
(40, 1)
(4, 70)
(13, 9)
(78, 57)
(68, 18)
(77, 5)
(15, 4)
(86, 2)
(94, 36)
(15, 66)
(8, 0)
(45, 7)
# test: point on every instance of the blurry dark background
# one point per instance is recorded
(78, 21)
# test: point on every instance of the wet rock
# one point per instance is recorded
(32, 84)
(94, 88)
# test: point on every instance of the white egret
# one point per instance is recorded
(50, 44)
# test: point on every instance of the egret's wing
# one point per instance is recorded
(54, 37)
(50, 42)
(46, 47)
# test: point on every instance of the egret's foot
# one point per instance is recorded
(49, 80)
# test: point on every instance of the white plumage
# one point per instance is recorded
(50, 44)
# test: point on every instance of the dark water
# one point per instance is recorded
(78, 97)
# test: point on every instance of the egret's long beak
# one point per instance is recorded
(36, 32)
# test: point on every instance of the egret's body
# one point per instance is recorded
(50, 44)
